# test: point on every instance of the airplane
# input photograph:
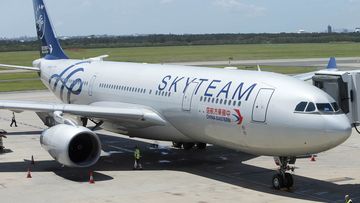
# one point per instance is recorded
(256, 112)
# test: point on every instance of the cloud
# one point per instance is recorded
(239, 6)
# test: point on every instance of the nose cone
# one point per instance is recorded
(337, 129)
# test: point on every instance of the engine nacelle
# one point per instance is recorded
(72, 146)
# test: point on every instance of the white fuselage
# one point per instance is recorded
(245, 110)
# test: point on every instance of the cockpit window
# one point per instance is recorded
(324, 107)
(318, 108)
(310, 107)
(301, 106)
(335, 106)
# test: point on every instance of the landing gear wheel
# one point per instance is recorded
(201, 146)
(289, 181)
(84, 121)
(278, 181)
(188, 145)
(177, 145)
(283, 179)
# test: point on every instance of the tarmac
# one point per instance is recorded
(170, 175)
(346, 63)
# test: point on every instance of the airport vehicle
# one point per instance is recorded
(261, 113)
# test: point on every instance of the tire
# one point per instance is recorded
(49, 121)
(201, 146)
(84, 121)
(177, 145)
(277, 181)
(289, 181)
(188, 145)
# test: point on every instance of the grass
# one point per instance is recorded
(223, 52)
(21, 86)
(16, 76)
(184, 54)
(199, 53)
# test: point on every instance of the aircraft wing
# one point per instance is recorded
(307, 76)
(100, 110)
(20, 67)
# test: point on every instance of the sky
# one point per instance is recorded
(127, 17)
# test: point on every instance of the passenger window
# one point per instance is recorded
(301, 106)
(310, 107)
(324, 107)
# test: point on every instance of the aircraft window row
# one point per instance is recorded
(162, 93)
(220, 101)
(122, 88)
(321, 107)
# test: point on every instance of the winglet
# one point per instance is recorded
(332, 64)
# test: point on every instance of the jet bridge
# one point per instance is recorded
(344, 87)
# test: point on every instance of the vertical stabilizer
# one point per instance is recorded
(50, 46)
(332, 64)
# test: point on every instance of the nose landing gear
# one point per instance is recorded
(283, 179)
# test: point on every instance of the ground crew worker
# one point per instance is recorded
(1, 143)
(137, 157)
(347, 199)
(13, 120)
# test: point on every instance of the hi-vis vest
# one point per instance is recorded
(137, 154)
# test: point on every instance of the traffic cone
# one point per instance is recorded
(28, 173)
(91, 180)
(312, 158)
(32, 160)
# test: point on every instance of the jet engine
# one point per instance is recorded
(72, 146)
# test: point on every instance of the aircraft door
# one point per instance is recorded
(91, 85)
(188, 96)
(261, 105)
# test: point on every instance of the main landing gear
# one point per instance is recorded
(283, 179)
